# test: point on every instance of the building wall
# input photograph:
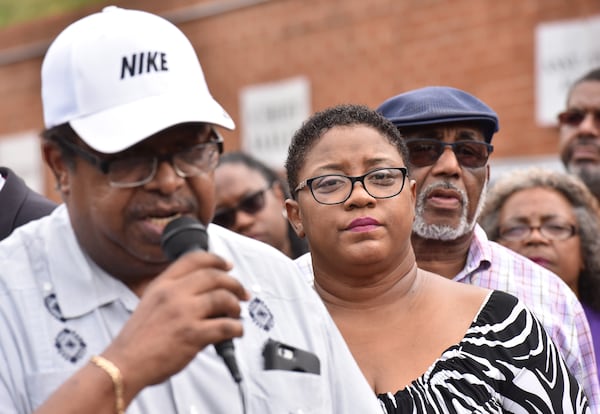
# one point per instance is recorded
(350, 50)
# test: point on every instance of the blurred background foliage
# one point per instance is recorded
(17, 11)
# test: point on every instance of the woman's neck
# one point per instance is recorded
(366, 291)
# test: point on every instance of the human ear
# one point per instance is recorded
(294, 216)
(54, 158)
(411, 187)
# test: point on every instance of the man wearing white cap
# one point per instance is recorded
(93, 316)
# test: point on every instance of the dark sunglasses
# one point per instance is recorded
(471, 154)
(574, 117)
(251, 204)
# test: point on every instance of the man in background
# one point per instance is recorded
(448, 133)
(19, 203)
(580, 130)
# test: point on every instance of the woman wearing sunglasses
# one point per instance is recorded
(552, 218)
(250, 201)
(426, 344)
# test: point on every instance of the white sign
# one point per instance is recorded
(565, 51)
(507, 165)
(22, 154)
(270, 114)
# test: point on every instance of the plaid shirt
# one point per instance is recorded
(493, 266)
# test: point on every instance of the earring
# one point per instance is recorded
(284, 213)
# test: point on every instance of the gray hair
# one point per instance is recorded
(585, 207)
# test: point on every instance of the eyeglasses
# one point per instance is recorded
(471, 154)
(337, 188)
(550, 230)
(133, 171)
(574, 117)
(251, 205)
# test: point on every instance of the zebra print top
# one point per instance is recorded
(505, 364)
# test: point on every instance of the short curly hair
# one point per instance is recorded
(585, 207)
(340, 115)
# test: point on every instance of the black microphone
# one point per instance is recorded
(186, 234)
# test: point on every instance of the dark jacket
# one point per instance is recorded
(19, 204)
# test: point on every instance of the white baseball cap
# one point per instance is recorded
(120, 76)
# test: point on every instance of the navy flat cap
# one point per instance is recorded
(439, 104)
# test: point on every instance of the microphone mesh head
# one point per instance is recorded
(182, 235)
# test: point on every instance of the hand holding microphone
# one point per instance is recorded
(183, 235)
(193, 303)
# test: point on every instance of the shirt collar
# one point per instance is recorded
(79, 284)
(479, 257)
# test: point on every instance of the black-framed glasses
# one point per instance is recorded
(574, 117)
(337, 188)
(423, 152)
(133, 171)
(250, 204)
(551, 230)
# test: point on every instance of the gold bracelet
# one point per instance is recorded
(115, 375)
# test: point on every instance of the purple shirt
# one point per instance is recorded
(593, 318)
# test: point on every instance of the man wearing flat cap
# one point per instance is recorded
(448, 133)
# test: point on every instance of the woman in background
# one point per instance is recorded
(250, 201)
(553, 219)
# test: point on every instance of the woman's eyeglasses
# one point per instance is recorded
(550, 230)
(425, 151)
(251, 204)
(337, 188)
(574, 117)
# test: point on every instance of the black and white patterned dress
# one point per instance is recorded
(506, 363)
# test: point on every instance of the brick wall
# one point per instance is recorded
(351, 50)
